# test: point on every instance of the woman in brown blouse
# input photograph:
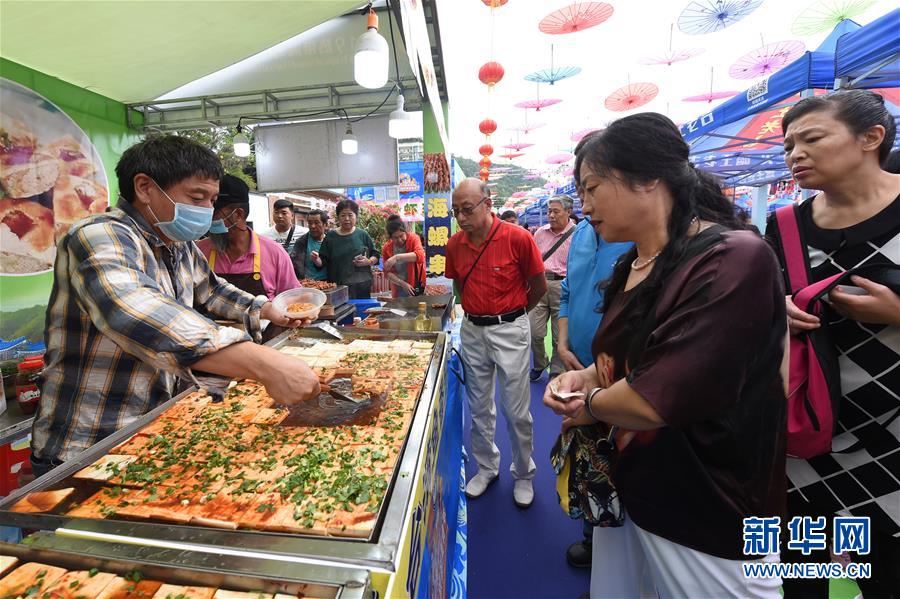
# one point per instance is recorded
(687, 366)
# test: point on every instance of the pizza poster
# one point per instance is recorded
(51, 176)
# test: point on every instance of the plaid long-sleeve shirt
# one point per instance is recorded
(121, 328)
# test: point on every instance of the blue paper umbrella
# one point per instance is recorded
(553, 74)
(709, 16)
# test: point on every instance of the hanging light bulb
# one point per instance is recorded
(400, 124)
(371, 60)
(241, 144)
(349, 144)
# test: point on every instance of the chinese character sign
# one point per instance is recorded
(437, 232)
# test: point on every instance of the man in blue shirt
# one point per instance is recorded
(590, 261)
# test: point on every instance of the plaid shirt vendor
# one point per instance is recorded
(121, 328)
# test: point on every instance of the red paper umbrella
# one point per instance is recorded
(631, 96)
(494, 3)
(485, 162)
(560, 158)
(486, 150)
(538, 104)
(575, 17)
(579, 135)
(487, 126)
(512, 155)
(767, 59)
(491, 73)
(710, 96)
(518, 146)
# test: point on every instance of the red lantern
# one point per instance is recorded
(486, 150)
(491, 73)
(487, 126)
(485, 162)
(484, 172)
(494, 3)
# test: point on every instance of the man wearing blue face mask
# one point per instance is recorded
(121, 327)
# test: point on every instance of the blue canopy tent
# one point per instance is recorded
(740, 140)
(870, 55)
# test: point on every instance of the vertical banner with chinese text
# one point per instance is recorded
(437, 232)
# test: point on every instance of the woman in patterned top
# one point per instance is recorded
(837, 144)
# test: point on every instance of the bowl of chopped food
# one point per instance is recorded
(301, 302)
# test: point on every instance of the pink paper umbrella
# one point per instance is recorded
(710, 96)
(512, 155)
(551, 185)
(531, 177)
(631, 96)
(560, 158)
(529, 127)
(569, 172)
(518, 146)
(767, 59)
(579, 135)
(520, 194)
(575, 17)
(538, 104)
(670, 57)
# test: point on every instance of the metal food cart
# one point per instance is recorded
(383, 563)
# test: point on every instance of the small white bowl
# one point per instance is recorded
(300, 295)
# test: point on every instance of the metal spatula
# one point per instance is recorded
(327, 328)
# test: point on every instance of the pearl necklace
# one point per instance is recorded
(636, 266)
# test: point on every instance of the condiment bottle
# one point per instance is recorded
(28, 390)
(423, 323)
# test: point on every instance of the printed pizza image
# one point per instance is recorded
(246, 463)
(50, 174)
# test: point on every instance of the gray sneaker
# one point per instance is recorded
(523, 493)
(479, 483)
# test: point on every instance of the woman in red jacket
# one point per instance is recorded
(404, 259)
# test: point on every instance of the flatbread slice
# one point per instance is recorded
(39, 502)
(171, 591)
(81, 583)
(127, 589)
(106, 468)
(31, 578)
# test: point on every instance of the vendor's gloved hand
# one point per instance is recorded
(277, 316)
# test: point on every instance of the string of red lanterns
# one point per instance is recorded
(490, 73)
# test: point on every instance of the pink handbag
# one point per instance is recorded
(814, 387)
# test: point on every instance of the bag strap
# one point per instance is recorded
(558, 243)
(477, 258)
(792, 247)
(287, 240)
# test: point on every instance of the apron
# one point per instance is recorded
(251, 282)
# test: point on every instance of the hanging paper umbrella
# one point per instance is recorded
(491, 73)
(554, 73)
(560, 158)
(518, 146)
(487, 126)
(519, 194)
(708, 16)
(826, 14)
(710, 96)
(486, 150)
(767, 59)
(631, 96)
(579, 135)
(502, 169)
(494, 3)
(550, 185)
(672, 55)
(512, 155)
(531, 177)
(575, 17)
(538, 104)
(528, 127)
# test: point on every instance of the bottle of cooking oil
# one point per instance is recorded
(423, 323)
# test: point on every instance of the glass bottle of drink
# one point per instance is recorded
(423, 323)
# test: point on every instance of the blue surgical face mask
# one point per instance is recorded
(187, 224)
(219, 227)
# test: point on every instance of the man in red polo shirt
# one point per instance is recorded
(497, 270)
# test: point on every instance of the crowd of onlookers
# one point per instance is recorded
(671, 319)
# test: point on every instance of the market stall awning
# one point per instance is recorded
(134, 51)
(875, 47)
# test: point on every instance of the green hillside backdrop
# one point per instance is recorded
(513, 181)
